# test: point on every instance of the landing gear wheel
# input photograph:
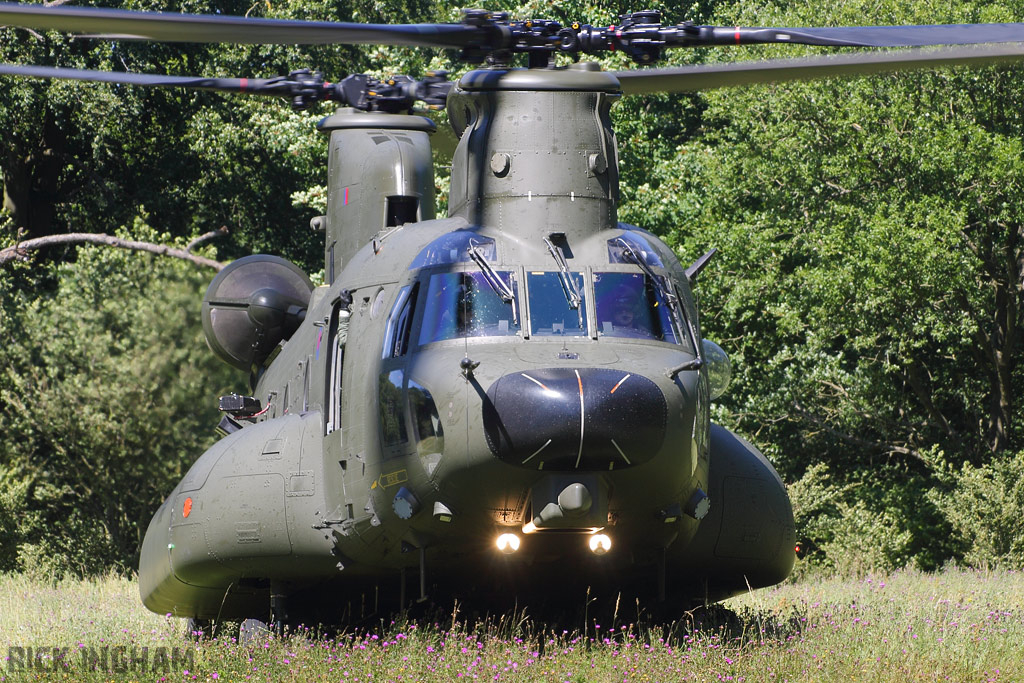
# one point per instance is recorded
(253, 631)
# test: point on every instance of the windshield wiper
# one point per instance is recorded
(569, 287)
(673, 304)
(493, 279)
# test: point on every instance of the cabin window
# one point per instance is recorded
(335, 352)
(464, 304)
(399, 326)
(550, 310)
(630, 305)
(305, 385)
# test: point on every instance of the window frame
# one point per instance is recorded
(425, 276)
(585, 333)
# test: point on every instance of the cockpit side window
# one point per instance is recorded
(399, 326)
(464, 304)
(550, 310)
(630, 305)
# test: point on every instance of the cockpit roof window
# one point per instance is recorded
(630, 305)
(464, 304)
(453, 247)
(639, 243)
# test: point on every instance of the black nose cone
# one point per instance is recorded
(575, 419)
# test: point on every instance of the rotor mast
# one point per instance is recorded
(531, 140)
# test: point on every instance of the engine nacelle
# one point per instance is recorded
(253, 305)
(381, 175)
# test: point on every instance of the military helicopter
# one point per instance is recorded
(512, 400)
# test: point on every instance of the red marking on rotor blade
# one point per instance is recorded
(243, 83)
(737, 35)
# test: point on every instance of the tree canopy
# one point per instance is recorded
(869, 285)
(870, 281)
(107, 395)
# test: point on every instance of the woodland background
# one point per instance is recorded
(869, 288)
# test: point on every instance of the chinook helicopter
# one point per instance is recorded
(511, 400)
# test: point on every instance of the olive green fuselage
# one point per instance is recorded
(452, 382)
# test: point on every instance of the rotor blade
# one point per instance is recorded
(195, 28)
(259, 86)
(869, 36)
(711, 76)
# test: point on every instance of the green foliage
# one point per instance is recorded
(868, 287)
(81, 157)
(105, 399)
(843, 529)
(985, 506)
(13, 499)
(865, 227)
(870, 273)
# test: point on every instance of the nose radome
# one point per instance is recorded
(575, 419)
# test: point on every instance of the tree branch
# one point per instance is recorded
(219, 232)
(19, 250)
(888, 448)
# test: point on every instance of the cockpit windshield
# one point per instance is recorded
(464, 304)
(630, 305)
(550, 309)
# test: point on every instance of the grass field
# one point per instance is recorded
(955, 625)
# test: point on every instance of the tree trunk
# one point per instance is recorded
(32, 182)
(1007, 268)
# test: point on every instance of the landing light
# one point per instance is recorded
(600, 544)
(507, 543)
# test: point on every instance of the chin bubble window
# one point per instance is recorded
(630, 306)
(428, 432)
(391, 408)
(470, 304)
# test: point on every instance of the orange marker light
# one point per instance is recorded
(186, 510)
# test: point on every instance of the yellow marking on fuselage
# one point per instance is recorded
(391, 479)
